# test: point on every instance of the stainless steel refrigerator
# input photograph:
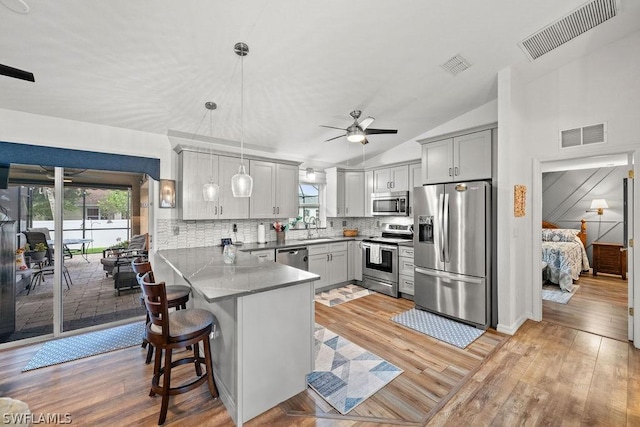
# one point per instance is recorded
(452, 249)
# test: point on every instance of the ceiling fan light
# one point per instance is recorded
(241, 183)
(210, 191)
(355, 136)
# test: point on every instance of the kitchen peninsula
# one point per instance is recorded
(262, 345)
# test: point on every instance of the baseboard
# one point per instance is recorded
(511, 329)
(227, 399)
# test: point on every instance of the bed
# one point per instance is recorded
(564, 252)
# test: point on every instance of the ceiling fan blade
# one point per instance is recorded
(365, 123)
(5, 70)
(331, 127)
(379, 131)
(331, 139)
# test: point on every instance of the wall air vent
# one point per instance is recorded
(456, 65)
(588, 135)
(568, 27)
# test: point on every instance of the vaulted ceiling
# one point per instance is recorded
(150, 65)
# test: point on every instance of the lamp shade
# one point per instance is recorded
(599, 204)
(241, 183)
(210, 191)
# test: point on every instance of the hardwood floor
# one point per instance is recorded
(599, 306)
(545, 374)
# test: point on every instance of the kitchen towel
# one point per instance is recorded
(261, 234)
(374, 254)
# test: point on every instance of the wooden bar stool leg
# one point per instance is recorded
(166, 383)
(209, 366)
(196, 357)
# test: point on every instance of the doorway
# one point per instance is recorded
(571, 190)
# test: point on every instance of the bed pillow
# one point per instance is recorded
(559, 234)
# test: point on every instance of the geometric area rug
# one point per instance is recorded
(345, 374)
(338, 296)
(438, 327)
(85, 345)
(553, 293)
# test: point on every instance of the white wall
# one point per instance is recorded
(602, 86)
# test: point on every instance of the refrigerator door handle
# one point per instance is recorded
(445, 228)
(440, 228)
(445, 275)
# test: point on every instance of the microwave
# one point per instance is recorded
(390, 204)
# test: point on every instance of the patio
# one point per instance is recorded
(91, 300)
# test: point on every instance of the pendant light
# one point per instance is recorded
(241, 183)
(211, 190)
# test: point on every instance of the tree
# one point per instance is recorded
(116, 201)
(41, 208)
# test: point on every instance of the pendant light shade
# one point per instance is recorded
(210, 191)
(241, 183)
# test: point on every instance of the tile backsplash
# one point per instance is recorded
(173, 234)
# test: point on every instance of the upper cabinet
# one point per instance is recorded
(196, 169)
(415, 180)
(275, 190)
(345, 193)
(461, 158)
(391, 179)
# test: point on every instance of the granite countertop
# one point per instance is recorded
(204, 269)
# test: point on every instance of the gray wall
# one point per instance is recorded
(567, 195)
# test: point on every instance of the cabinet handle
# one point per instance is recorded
(216, 211)
(346, 210)
(450, 172)
(278, 210)
(274, 210)
(327, 257)
(220, 210)
(331, 257)
(456, 170)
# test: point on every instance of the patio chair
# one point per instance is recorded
(47, 234)
(112, 257)
(46, 266)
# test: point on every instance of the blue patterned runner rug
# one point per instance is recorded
(438, 327)
(85, 345)
(345, 374)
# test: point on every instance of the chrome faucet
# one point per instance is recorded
(308, 225)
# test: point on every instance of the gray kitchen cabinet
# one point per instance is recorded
(354, 196)
(368, 178)
(355, 260)
(391, 179)
(460, 158)
(345, 193)
(405, 267)
(275, 190)
(195, 170)
(330, 261)
(265, 254)
(415, 180)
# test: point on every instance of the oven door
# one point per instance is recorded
(386, 267)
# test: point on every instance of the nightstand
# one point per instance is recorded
(609, 258)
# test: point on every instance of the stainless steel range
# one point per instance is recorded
(380, 258)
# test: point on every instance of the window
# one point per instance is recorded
(309, 202)
(93, 213)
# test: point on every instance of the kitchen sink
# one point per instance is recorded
(317, 240)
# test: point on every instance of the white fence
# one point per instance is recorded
(104, 233)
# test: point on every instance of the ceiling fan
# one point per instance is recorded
(16, 73)
(358, 131)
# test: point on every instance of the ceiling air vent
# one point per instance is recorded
(594, 134)
(570, 26)
(456, 65)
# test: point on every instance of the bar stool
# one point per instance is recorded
(177, 295)
(179, 329)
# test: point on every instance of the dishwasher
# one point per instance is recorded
(295, 257)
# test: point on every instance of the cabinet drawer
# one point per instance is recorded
(406, 285)
(338, 247)
(406, 266)
(406, 252)
(318, 249)
(265, 255)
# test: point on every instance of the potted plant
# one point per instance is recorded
(37, 253)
